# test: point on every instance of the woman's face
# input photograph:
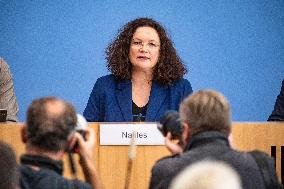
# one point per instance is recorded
(144, 48)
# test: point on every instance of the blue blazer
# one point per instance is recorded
(278, 112)
(111, 100)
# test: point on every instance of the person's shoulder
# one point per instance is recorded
(105, 81)
(165, 169)
(181, 82)
(29, 176)
(2, 61)
(110, 81)
(80, 184)
(3, 65)
(104, 85)
(245, 159)
(182, 85)
(63, 182)
(166, 163)
(105, 78)
(27, 172)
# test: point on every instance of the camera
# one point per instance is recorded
(171, 122)
(82, 124)
(80, 127)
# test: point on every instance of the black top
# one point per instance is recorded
(139, 113)
(49, 175)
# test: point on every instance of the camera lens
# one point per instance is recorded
(170, 122)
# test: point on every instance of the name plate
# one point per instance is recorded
(121, 134)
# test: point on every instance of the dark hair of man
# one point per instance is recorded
(9, 175)
(206, 110)
(46, 130)
(169, 67)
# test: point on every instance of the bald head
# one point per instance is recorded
(54, 107)
(49, 123)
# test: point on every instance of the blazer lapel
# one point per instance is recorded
(157, 98)
(123, 97)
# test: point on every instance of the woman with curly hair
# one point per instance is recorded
(146, 80)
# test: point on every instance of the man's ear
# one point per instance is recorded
(186, 132)
(231, 140)
(24, 135)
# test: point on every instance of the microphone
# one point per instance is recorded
(131, 156)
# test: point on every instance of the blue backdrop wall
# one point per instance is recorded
(235, 47)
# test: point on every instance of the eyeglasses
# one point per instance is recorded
(139, 44)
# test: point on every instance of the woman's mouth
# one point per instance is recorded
(143, 58)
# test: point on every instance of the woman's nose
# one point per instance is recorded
(144, 47)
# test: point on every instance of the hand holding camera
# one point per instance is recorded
(80, 128)
(85, 141)
(171, 127)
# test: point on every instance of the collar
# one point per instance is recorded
(207, 137)
(157, 97)
(42, 162)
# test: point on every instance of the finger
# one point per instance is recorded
(174, 148)
(79, 138)
(72, 141)
(169, 136)
(90, 135)
(80, 141)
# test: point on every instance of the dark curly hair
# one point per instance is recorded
(169, 67)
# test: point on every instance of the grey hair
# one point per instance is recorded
(206, 110)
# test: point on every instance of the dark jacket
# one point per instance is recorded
(278, 112)
(49, 176)
(111, 100)
(209, 145)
